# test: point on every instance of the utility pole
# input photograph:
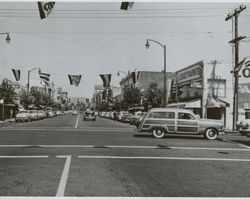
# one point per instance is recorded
(235, 41)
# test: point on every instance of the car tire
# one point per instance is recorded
(158, 133)
(211, 134)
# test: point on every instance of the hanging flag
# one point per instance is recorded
(135, 76)
(126, 5)
(16, 73)
(106, 78)
(74, 79)
(45, 8)
(45, 78)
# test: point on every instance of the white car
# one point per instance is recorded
(22, 116)
(243, 127)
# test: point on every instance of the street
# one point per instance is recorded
(66, 156)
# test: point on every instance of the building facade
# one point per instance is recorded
(205, 88)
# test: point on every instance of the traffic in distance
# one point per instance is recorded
(158, 121)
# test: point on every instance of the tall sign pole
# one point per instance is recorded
(235, 41)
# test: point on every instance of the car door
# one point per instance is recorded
(186, 123)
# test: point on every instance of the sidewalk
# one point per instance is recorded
(231, 131)
(7, 122)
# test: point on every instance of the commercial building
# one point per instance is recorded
(205, 88)
(145, 78)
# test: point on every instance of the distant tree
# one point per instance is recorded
(153, 95)
(25, 98)
(132, 96)
(7, 92)
(37, 98)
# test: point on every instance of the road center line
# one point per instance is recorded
(77, 120)
(164, 158)
(64, 177)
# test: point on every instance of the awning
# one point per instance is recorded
(213, 102)
(191, 104)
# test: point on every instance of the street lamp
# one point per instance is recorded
(164, 48)
(28, 85)
(8, 36)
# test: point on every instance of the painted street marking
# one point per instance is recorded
(64, 177)
(163, 158)
(77, 121)
(234, 142)
(26, 156)
(243, 145)
(127, 147)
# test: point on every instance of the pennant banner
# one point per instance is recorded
(106, 78)
(16, 73)
(45, 78)
(135, 76)
(126, 5)
(45, 8)
(74, 79)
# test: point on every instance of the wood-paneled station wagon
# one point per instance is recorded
(160, 121)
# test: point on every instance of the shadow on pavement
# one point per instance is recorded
(189, 137)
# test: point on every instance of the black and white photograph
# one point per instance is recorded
(130, 99)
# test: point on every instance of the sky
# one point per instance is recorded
(99, 38)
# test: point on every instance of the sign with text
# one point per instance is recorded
(191, 73)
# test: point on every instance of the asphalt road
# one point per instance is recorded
(65, 156)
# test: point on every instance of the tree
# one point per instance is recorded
(154, 95)
(132, 96)
(25, 98)
(7, 92)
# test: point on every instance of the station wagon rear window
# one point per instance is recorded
(162, 115)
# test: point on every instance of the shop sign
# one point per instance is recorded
(191, 73)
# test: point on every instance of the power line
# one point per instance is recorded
(114, 10)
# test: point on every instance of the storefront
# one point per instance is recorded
(203, 89)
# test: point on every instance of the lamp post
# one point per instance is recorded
(8, 36)
(164, 48)
(2, 100)
(28, 85)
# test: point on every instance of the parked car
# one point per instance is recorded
(22, 116)
(51, 114)
(160, 121)
(135, 117)
(89, 115)
(33, 115)
(41, 114)
(243, 127)
(121, 114)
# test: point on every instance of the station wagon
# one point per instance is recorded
(160, 121)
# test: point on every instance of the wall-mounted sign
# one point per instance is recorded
(190, 73)
(244, 95)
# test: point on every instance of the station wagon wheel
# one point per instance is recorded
(158, 133)
(211, 134)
